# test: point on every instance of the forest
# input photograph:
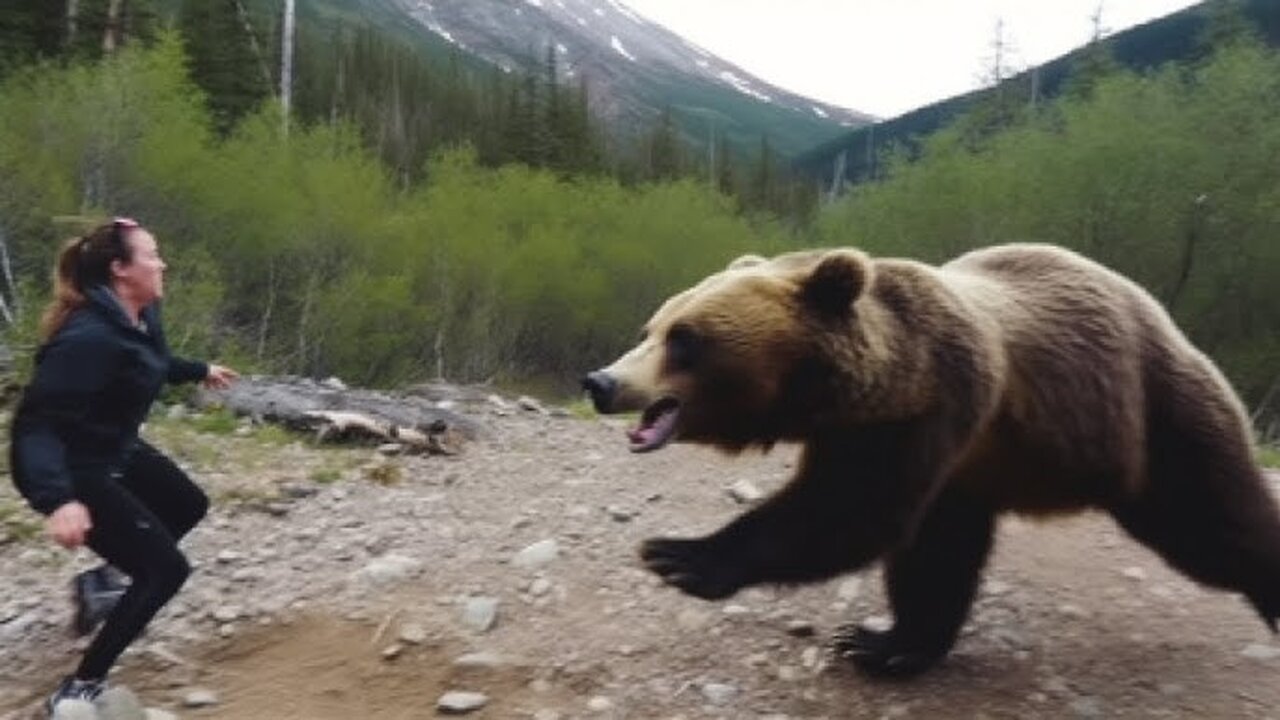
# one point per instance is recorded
(413, 217)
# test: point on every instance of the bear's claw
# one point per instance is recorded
(690, 565)
(879, 654)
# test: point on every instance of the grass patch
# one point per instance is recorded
(216, 422)
(385, 474)
(1269, 456)
(325, 476)
(275, 434)
(582, 409)
(19, 522)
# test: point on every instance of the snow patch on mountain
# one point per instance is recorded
(616, 44)
(616, 50)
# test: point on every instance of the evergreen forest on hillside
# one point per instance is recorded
(417, 217)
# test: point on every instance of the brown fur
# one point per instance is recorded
(929, 399)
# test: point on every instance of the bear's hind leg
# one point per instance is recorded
(931, 584)
(1208, 512)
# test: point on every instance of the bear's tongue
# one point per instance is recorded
(657, 426)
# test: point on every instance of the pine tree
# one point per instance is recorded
(1095, 62)
(223, 62)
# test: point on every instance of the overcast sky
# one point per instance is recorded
(886, 57)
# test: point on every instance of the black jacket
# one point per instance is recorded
(95, 381)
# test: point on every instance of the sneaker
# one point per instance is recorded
(95, 593)
(74, 689)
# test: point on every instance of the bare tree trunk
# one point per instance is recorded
(94, 178)
(253, 44)
(307, 300)
(1258, 412)
(73, 15)
(1188, 252)
(9, 288)
(111, 35)
(286, 62)
(338, 90)
(266, 311)
(439, 350)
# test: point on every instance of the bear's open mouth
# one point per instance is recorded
(657, 425)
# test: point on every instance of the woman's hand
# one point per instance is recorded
(69, 524)
(219, 377)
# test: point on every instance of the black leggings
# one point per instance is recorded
(138, 517)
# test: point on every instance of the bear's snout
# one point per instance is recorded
(602, 388)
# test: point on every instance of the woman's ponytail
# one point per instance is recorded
(67, 293)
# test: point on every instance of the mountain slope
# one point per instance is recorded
(633, 68)
(1171, 38)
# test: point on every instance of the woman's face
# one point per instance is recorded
(142, 278)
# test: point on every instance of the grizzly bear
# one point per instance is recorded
(926, 401)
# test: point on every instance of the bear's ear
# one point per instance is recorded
(839, 278)
(745, 261)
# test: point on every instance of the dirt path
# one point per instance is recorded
(335, 584)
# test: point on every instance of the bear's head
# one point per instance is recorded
(749, 356)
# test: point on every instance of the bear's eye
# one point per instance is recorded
(684, 346)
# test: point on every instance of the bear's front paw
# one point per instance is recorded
(881, 654)
(694, 566)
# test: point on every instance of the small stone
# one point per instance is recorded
(1258, 651)
(478, 660)
(719, 693)
(745, 492)
(199, 697)
(1073, 611)
(390, 449)
(537, 554)
(226, 613)
(480, 613)
(800, 628)
(599, 703)
(119, 703)
(458, 702)
(74, 710)
(413, 634)
(389, 568)
(996, 588)
(1134, 573)
(158, 714)
(524, 402)
(878, 623)
(540, 586)
(391, 652)
(849, 589)
(620, 514)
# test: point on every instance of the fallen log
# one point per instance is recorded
(335, 412)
